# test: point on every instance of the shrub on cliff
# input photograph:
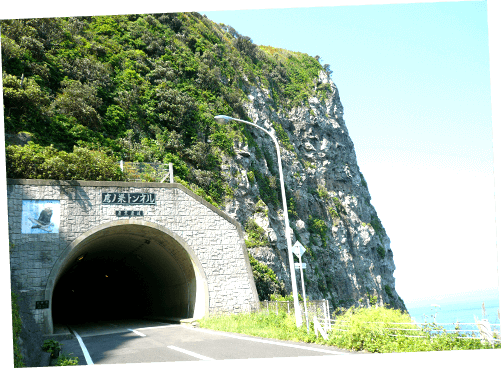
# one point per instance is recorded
(33, 161)
(256, 235)
(266, 280)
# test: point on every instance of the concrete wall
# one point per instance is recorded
(202, 241)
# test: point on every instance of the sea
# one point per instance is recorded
(460, 307)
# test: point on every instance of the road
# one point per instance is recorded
(139, 341)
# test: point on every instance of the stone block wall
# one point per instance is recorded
(215, 239)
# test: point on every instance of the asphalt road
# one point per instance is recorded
(139, 341)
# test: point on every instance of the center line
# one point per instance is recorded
(187, 352)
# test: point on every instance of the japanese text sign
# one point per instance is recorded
(128, 198)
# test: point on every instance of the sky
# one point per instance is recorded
(414, 81)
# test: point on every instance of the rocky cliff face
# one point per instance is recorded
(152, 84)
(348, 258)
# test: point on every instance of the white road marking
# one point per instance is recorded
(270, 342)
(137, 333)
(187, 352)
(86, 354)
(149, 328)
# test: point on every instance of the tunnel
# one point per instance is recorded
(127, 271)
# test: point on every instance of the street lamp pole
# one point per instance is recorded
(226, 119)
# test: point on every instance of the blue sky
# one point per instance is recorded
(415, 85)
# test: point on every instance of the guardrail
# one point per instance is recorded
(423, 330)
(315, 308)
(319, 314)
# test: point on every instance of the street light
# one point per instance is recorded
(223, 119)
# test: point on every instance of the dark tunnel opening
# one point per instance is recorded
(101, 290)
(125, 275)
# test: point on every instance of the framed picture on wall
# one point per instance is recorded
(40, 216)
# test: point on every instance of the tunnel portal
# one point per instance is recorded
(126, 271)
(87, 250)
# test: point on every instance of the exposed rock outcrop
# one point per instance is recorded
(349, 259)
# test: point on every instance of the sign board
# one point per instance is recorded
(40, 216)
(44, 304)
(298, 249)
(300, 265)
(128, 198)
(129, 213)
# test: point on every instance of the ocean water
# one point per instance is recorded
(462, 308)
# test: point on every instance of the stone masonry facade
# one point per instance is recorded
(215, 238)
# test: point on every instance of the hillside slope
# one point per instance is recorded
(145, 88)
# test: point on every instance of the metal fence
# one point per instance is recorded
(315, 308)
(484, 330)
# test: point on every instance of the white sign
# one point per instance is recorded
(300, 265)
(298, 249)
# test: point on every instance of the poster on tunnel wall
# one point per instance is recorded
(40, 217)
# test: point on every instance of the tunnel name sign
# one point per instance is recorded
(128, 198)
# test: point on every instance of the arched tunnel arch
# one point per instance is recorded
(126, 269)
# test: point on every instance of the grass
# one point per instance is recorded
(365, 329)
(281, 326)
(16, 331)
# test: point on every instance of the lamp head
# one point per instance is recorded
(223, 119)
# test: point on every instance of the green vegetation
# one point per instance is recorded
(266, 280)
(372, 299)
(363, 333)
(256, 235)
(380, 250)
(16, 324)
(282, 136)
(16, 330)
(380, 232)
(368, 329)
(195, 189)
(299, 71)
(322, 192)
(292, 206)
(251, 176)
(377, 226)
(319, 227)
(260, 207)
(280, 326)
(65, 360)
(141, 88)
(54, 347)
(388, 291)
(286, 298)
(268, 188)
(33, 161)
(324, 90)
(339, 206)
(309, 165)
(364, 183)
(269, 161)
(332, 211)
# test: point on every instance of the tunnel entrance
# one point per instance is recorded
(128, 271)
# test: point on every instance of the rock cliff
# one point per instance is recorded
(349, 259)
(144, 88)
